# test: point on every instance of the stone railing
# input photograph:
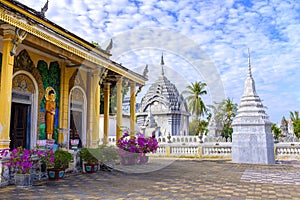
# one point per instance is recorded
(178, 139)
(216, 150)
(161, 151)
(209, 150)
(222, 150)
(184, 151)
(287, 150)
(190, 146)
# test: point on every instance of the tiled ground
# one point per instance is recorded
(165, 179)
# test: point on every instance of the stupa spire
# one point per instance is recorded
(162, 63)
(249, 64)
(249, 83)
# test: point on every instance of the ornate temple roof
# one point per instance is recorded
(251, 105)
(165, 92)
(36, 24)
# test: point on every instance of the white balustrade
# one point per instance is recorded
(184, 150)
(288, 150)
(178, 139)
(190, 145)
(161, 151)
(217, 151)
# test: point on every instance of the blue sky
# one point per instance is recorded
(218, 32)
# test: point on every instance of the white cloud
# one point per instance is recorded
(224, 30)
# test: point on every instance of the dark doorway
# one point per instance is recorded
(76, 127)
(19, 126)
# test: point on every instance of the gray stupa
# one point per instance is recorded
(252, 139)
(163, 106)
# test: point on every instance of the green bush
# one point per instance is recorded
(62, 159)
(89, 155)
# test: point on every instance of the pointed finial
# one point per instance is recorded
(145, 72)
(109, 46)
(44, 9)
(162, 64)
(162, 59)
(249, 65)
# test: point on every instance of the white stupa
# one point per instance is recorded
(252, 139)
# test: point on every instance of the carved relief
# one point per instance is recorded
(77, 96)
(23, 61)
(23, 83)
(76, 80)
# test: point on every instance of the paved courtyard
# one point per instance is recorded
(172, 179)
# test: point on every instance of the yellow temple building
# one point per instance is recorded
(51, 82)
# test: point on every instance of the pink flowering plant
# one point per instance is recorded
(133, 149)
(47, 157)
(3, 153)
(137, 144)
(22, 160)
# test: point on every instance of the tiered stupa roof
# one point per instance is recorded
(163, 91)
(251, 105)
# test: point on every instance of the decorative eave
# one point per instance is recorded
(49, 31)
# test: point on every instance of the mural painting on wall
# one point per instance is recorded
(50, 102)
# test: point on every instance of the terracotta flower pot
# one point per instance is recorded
(90, 168)
(55, 174)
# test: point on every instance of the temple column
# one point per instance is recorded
(96, 92)
(6, 85)
(92, 97)
(64, 106)
(106, 112)
(132, 109)
(119, 110)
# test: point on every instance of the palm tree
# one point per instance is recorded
(230, 109)
(196, 105)
(296, 122)
(294, 115)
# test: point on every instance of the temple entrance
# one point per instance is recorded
(20, 126)
(76, 127)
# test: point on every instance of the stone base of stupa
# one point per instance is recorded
(253, 148)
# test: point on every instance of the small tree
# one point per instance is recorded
(202, 127)
(224, 113)
(296, 125)
(296, 122)
(198, 127)
(276, 131)
(193, 126)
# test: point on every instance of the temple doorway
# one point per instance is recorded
(77, 117)
(76, 127)
(20, 125)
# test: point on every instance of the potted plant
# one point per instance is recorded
(89, 156)
(133, 150)
(61, 162)
(46, 157)
(21, 162)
